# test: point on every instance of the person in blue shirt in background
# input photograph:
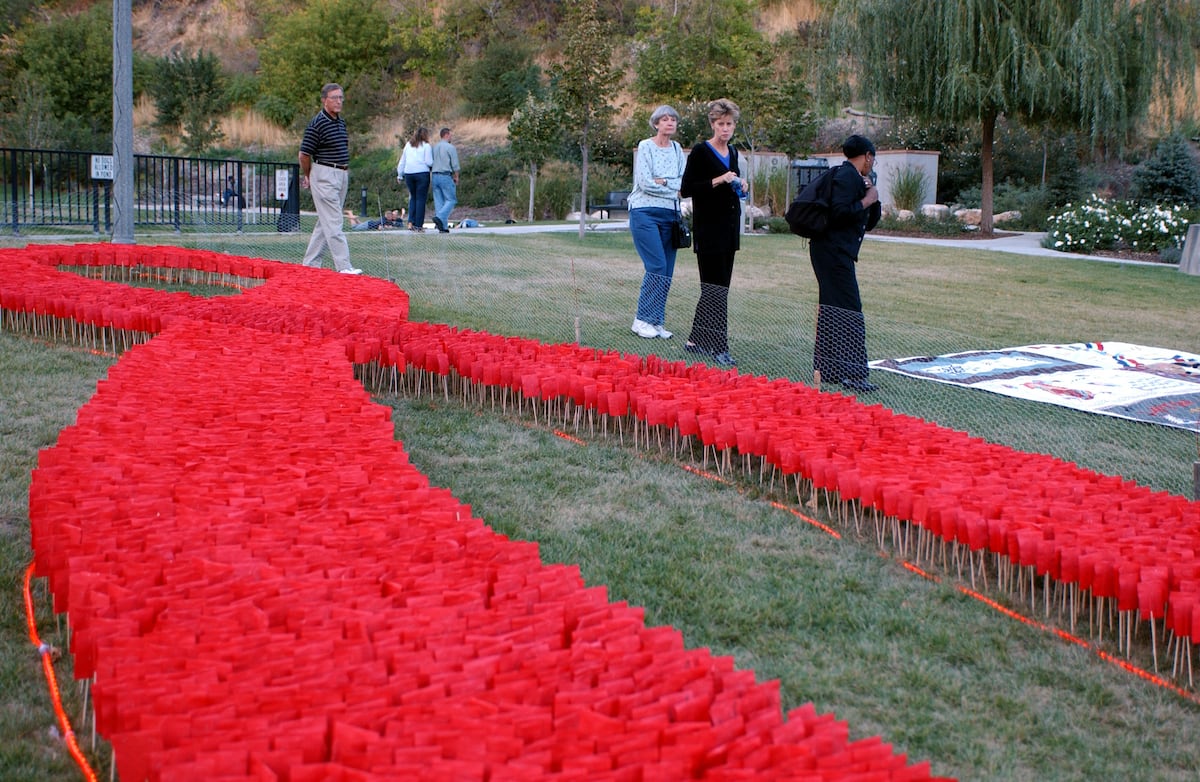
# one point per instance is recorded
(445, 180)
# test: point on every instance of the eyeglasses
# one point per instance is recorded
(335, 97)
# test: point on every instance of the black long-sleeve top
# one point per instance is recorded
(716, 211)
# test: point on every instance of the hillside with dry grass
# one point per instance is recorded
(231, 30)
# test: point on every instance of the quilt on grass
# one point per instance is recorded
(1140, 383)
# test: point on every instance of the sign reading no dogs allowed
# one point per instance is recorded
(102, 167)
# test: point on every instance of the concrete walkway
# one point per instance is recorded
(1022, 243)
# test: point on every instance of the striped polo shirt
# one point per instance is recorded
(326, 141)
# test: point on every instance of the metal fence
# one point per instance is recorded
(73, 190)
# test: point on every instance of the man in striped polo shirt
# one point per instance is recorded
(324, 168)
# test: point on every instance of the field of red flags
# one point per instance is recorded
(264, 588)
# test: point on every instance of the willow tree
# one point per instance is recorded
(1091, 65)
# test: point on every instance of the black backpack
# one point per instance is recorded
(808, 215)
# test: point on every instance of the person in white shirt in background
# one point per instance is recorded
(416, 160)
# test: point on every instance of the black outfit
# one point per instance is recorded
(716, 220)
(840, 352)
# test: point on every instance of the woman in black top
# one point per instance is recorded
(840, 348)
(712, 179)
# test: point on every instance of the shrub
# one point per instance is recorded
(603, 178)
(908, 188)
(242, 90)
(1098, 224)
(375, 170)
(498, 81)
(1170, 176)
(774, 225)
(1032, 201)
(556, 194)
(484, 179)
(921, 224)
(770, 190)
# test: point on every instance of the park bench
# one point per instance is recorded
(615, 201)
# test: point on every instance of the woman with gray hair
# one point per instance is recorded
(653, 210)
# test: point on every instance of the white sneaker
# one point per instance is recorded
(644, 329)
(663, 333)
(350, 271)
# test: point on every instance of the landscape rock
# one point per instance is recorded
(969, 216)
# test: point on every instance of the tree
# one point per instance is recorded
(497, 83)
(423, 45)
(795, 128)
(189, 92)
(534, 132)
(69, 61)
(1093, 65)
(31, 123)
(584, 81)
(703, 51)
(1170, 177)
(323, 41)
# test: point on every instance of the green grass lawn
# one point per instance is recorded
(938, 674)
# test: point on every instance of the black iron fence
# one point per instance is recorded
(47, 188)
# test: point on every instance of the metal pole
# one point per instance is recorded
(123, 120)
(16, 191)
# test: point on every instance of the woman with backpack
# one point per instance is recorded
(840, 350)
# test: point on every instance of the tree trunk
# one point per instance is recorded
(583, 204)
(986, 224)
(532, 187)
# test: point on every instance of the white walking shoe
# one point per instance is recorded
(644, 330)
(350, 271)
(663, 333)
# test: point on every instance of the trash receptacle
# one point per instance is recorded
(807, 170)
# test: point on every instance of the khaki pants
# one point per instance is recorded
(328, 186)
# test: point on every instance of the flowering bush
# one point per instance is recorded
(1098, 224)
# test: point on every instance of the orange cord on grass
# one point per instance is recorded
(705, 474)
(569, 438)
(1062, 634)
(808, 519)
(44, 650)
(1125, 666)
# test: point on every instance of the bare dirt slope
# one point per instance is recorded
(225, 28)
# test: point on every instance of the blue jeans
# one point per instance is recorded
(418, 194)
(651, 231)
(445, 197)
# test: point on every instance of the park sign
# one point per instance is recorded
(102, 167)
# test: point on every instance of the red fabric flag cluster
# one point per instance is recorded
(264, 588)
